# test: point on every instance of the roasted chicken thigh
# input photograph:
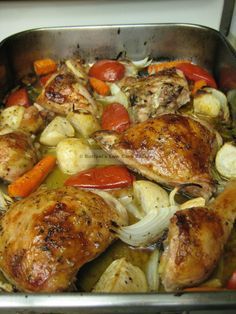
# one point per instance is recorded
(196, 240)
(65, 93)
(48, 236)
(152, 95)
(170, 149)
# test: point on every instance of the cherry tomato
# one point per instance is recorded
(43, 79)
(107, 70)
(115, 117)
(108, 177)
(231, 284)
(195, 73)
(18, 98)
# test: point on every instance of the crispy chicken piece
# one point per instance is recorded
(48, 236)
(196, 241)
(170, 149)
(65, 93)
(152, 95)
(17, 155)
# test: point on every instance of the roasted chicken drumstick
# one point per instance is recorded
(196, 241)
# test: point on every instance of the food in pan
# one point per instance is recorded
(117, 176)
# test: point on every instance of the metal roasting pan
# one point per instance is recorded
(203, 46)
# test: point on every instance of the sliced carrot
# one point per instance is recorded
(198, 85)
(31, 180)
(44, 66)
(99, 86)
(156, 67)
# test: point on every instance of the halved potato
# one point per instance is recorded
(58, 129)
(84, 122)
(74, 155)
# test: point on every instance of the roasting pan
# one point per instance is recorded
(203, 46)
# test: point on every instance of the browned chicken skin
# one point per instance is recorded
(153, 95)
(17, 155)
(48, 236)
(196, 240)
(170, 149)
(64, 93)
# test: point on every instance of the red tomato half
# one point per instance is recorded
(18, 98)
(195, 73)
(43, 79)
(115, 117)
(231, 284)
(107, 70)
(108, 177)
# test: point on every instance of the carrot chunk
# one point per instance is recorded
(31, 180)
(198, 85)
(99, 86)
(44, 66)
(156, 67)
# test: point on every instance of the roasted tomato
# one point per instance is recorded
(115, 117)
(107, 70)
(195, 73)
(108, 177)
(18, 98)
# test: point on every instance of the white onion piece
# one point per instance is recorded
(152, 271)
(212, 103)
(114, 203)
(142, 63)
(149, 228)
(172, 196)
(127, 201)
(226, 160)
(121, 276)
(195, 202)
(76, 68)
(6, 287)
(149, 196)
(116, 96)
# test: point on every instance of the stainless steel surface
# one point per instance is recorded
(226, 17)
(200, 44)
(110, 304)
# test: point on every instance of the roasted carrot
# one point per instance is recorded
(44, 66)
(198, 85)
(156, 67)
(99, 86)
(31, 180)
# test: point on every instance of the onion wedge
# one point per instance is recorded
(152, 271)
(113, 202)
(148, 229)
